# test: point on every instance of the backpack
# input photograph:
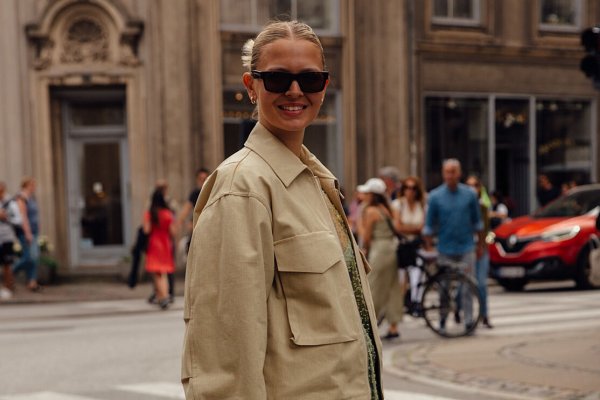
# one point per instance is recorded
(12, 213)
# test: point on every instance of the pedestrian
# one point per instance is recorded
(499, 212)
(453, 214)
(409, 219)
(379, 244)
(28, 234)
(391, 176)
(277, 303)
(9, 223)
(482, 265)
(546, 191)
(355, 215)
(162, 185)
(185, 213)
(159, 226)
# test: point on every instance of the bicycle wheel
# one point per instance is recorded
(451, 305)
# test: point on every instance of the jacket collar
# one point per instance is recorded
(286, 165)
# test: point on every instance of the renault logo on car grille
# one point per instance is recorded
(512, 241)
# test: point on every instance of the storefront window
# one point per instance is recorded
(461, 12)
(560, 135)
(253, 14)
(564, 141)
(560, 14)
(511, 150)
(456, 128)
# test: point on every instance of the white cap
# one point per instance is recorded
(373, 185)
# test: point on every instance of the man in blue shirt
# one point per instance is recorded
(453, 214)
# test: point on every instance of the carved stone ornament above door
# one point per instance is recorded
(84, 33)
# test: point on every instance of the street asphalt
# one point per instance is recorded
(561, 364)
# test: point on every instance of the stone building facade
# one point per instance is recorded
(101, 98)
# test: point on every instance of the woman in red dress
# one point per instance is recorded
(159, 225)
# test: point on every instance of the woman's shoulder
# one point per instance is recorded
(373, 212)
(245, 172)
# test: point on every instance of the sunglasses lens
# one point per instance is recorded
(280, 82)
(277, 82)
(312, 82)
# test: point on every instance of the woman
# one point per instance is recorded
(499, 212)
(482, 264)
(379, 243)
(409, 219)
(158, 224)
(28, 233)
(277, 304)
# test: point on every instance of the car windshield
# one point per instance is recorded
(571, 205)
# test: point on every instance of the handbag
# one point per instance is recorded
(141, 242)
(406, 250)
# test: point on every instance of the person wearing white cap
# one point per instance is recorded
(379, 244)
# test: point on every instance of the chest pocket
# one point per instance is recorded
(320, 301)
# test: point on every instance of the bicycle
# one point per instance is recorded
(450, 300)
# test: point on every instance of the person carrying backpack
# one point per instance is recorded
(9, 223)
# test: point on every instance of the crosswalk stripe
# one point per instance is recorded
(561, 326)
(160, 389)
(548, 317)
(399, 395)
(498, 311)
(44, 396)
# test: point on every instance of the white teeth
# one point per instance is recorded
(292, 108)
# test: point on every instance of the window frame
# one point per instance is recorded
(450, 20)
(576, 27)
(492, 98)
(255, 26)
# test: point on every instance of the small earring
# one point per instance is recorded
(322, 100)
(253, 100)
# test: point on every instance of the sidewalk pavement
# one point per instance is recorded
(88, 287)
(553, 366)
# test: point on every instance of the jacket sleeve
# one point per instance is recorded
(229, 275)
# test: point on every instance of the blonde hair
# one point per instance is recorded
(278, 30)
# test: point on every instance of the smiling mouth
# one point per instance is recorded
(292, 108)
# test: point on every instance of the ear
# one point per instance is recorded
(248, 81)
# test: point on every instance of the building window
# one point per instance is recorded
(564, 141)
(252, 15)
(497, 146)
(560, 15)
(457, 12)
(456, 128)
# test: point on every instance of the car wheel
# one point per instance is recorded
(584, 270)
(513, 285)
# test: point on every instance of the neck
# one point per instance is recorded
(291, 140)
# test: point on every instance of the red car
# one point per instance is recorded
(552, 244)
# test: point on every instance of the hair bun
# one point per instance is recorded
(247, 53)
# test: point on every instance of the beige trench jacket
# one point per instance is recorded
(269, 307)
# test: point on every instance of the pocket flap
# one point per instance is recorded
(314, 252)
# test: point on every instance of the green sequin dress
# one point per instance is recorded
(350, 257)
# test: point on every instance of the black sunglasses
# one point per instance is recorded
(280, 82)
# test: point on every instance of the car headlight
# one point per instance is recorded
(490, 237)
(561, 234)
